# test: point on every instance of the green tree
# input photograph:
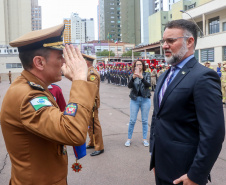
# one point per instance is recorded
(105, 53)
(129, 53)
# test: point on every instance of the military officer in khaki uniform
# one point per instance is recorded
(153, 78)
(95, 131)
(34, 129)
(10, 77)
(223, 83)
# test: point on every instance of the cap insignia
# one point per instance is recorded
(92, 77)
(53, 44)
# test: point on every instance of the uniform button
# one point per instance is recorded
(153, 134)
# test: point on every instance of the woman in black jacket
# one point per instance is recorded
(139, 83)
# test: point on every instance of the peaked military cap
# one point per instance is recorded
(88, 57)
(47, 38)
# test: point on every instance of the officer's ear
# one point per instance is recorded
(39, 62)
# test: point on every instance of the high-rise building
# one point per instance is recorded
(67, 30)
(131, 21)
(109, 20)
(15, 19)
(78, 30)
(163, 5)
(147, 8)
(36, 15)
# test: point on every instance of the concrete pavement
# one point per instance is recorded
(118, 165)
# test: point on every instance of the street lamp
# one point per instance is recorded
(202, 34)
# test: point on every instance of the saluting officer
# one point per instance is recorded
(95, 131)
(34, 129)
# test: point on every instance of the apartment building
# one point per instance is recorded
(36, 15)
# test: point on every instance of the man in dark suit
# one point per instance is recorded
(187, 129)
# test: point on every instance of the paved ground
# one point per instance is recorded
(119, 165)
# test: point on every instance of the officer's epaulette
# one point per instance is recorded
(36, 86)
(91, 71)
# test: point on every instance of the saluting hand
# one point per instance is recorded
(185, 180)
(75, 67)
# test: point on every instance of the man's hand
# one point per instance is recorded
(185, 180)
(75, 67)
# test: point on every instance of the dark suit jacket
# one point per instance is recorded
(187, 130)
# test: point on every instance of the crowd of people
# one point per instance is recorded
(187, 127)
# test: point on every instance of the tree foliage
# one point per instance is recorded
(129, 54)
(105, 53)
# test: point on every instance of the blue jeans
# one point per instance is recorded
(144, 104)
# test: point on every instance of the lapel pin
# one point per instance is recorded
(183, 72)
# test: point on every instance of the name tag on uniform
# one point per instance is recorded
(40, 102)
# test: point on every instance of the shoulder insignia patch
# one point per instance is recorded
(40, 102)
(92, 77)
(71, 109)
(36, 86)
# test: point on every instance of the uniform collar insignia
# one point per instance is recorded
(36, 86)
(183, 72)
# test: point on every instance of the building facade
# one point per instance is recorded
(15, 19)
(158, 20)
(109, 20)
(36, 15)
(164, 5)
(131, 21)
(78, 30)
(211, 17)
(67, 30)
(147, 8)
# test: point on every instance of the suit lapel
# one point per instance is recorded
(181, 74)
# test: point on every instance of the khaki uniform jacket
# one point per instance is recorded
(35, 139)
(94, 77)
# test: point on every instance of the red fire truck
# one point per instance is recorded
(152, 62)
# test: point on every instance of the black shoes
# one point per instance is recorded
(89, 147)
(97, 152)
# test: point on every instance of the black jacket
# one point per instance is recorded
(137, 84)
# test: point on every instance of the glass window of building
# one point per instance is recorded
(197, 55)
(224, 53)
(224, 26)
(207, 55)
(214, 25)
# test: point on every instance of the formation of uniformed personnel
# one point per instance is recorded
(34, 129)
(108, 74)
(95, 131)
(102, 73)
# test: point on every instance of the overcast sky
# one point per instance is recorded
(53, 11)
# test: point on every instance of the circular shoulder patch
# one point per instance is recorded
(92, 77)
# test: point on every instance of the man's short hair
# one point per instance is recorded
(184, 25)
(26, 57)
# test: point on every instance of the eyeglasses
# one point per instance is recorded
(138, 64)
(170, 41)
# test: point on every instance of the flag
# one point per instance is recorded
(116, 42)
